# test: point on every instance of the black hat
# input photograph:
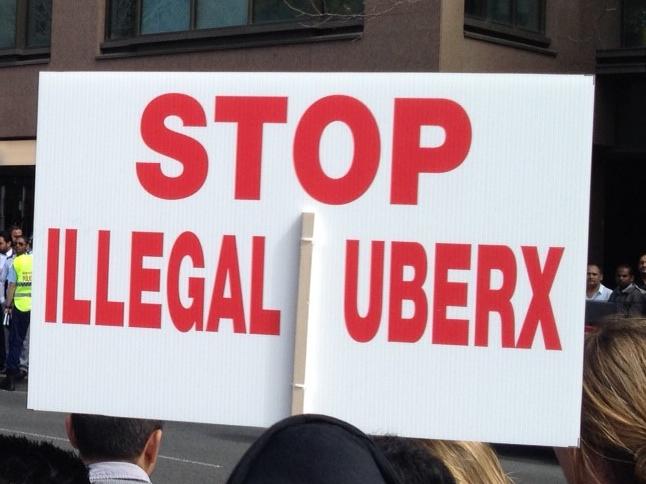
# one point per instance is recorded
(313, 449)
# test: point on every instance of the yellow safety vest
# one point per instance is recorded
(22, 296)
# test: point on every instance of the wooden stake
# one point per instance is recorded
(302, 312)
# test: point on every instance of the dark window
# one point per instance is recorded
(17, 197)
(514, 20)
(521, 14)
(25, 29)
(132, 24)
(634, 23)
(158, 16)
(7, 24)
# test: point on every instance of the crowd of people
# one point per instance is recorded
(300, 449)
(15, 298)
(316, 449)
(628, 298)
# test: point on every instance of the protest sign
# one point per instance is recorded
(448, 253)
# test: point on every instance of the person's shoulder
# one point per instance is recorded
(117, 472)
(116, 481)
(604, 293)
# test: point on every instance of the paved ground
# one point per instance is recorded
(535, 465)
(197, 453)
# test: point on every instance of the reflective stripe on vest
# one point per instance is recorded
(22, 296)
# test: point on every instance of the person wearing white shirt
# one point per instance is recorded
(115, 449)
(595, 291)
(6, 257)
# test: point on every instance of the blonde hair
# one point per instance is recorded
(469, 462)
(613, 417)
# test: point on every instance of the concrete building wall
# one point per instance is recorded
(575, 29)
(397, 36)
(18, 98)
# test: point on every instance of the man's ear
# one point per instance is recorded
(70, 431)
(148, 458)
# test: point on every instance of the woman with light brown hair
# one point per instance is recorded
(613, 416)
(469, 462)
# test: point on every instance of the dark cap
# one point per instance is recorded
(313, 449)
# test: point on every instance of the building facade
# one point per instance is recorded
(606, 38)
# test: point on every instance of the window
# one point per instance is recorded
(514, 20)
(25, 29)
(634, 23)
(136, 24)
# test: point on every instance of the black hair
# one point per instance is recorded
(6, 235)
(626, 266)
(24, 461)
(596, 265)
(115, 438)
(412, 461)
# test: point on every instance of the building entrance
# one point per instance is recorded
(17, 197)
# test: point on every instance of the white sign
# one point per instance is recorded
(449, 250)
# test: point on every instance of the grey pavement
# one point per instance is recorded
(201, 453)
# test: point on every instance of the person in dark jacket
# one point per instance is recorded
(25, 461)
(628, 298)
(641, 268)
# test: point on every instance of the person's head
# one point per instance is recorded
(24, 461)
(469, 462)
(624, 276)
(412, 461)
(313, 449)
(5, 241)
(613, 416)
(594, 276)
(641, 265)
(20, 245)
(99, 438)
(16, 232)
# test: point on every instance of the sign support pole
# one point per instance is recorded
(302, 312)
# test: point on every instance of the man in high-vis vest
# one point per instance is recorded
(18, 304)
